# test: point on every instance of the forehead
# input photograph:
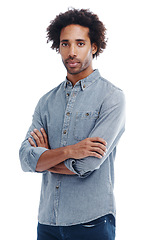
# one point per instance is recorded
(72, 32)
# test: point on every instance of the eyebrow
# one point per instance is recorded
(77, 40)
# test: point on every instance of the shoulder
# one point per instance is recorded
(49, 96)
(53, 91)
(113, 94)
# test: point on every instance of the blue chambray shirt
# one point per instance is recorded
(94, 107)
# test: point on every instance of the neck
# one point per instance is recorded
(74, 78)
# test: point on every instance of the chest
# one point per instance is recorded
(70, 117)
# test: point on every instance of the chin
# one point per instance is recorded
(74, 72)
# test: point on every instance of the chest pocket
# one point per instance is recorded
(84, 123)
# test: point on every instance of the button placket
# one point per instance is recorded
(67, 116)
(56, 199)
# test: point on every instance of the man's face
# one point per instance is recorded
(76, 50)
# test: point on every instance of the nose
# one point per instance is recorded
(72, 51)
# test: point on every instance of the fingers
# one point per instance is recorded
(31, 142)
(39, 137)
(95, 154)
(36, 138)
(98, 139)
(44, 135)
(99, 151)
(98, 147)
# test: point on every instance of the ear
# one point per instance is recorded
(94, 48)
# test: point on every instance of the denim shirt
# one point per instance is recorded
(94, 107)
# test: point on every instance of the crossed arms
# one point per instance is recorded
(83, 157)
(53, 159)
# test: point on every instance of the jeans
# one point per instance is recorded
(100, 229)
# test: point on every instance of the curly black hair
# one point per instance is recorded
(83, 17)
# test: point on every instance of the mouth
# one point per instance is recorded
(72, 64)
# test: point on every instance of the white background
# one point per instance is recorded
(29, 69)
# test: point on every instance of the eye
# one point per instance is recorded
(81, 44)
(64, 44)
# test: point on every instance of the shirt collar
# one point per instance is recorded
(85, 82)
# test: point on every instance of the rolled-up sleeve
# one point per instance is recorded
(110, 126)
(29, 155)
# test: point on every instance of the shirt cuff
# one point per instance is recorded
(71, 165)
(35, 154)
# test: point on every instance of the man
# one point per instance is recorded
(73, 137)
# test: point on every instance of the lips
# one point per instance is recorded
(72, 63)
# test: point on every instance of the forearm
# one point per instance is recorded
(51, 158)
(61, 169)
(85, 148)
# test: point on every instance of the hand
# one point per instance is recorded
(94, 146)
(40, 138)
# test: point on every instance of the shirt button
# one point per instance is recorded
(68, 113)
(84, 86)
(68, 82)
(67, 94)
(64, 132)
(57, 187)
(87, 114)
